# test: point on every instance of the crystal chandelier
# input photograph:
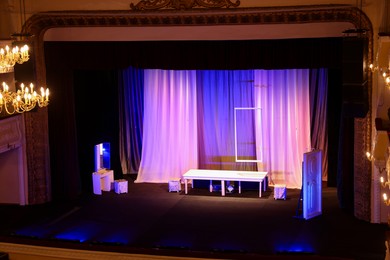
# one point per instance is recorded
(9, 57)
(25, 99)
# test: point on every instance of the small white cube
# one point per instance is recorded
(280, 191)
(174, 185)
(120, 186)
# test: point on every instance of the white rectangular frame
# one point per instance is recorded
(235, 134)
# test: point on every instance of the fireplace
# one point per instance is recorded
(13, 173)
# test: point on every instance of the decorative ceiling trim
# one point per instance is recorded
(182, 4)
(40, 22)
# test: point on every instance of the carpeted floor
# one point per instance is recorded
(150, 220)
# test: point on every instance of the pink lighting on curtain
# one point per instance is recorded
(283, 96)
(169, 146)
(188, 122)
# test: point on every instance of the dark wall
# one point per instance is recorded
(97, 120)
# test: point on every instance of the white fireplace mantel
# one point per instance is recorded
(13, 167)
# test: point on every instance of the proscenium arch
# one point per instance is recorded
(38, 24)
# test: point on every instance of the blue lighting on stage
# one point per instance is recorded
(296, 248)
(174, 243)
(75, 235)
(119, 238)
(80, 233)
(228, 247)
(34, 232)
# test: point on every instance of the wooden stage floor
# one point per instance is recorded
(150, 220)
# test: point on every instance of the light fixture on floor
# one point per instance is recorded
(23, 100)
(9, 56)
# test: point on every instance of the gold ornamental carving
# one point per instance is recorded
(182, 4)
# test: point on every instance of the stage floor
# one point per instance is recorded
(150, 220)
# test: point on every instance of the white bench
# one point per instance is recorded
(226, 175)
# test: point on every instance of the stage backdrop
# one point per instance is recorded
(186, 120)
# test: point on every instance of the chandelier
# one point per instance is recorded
(9, 57)
(23, 100)
(385, 72)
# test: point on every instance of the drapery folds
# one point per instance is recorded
(188, 122)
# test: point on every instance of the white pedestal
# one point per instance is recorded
(102, 180)
(174, 185)
(280, 191)
(121, 186)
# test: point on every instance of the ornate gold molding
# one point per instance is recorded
(39, 23)
(182, 4)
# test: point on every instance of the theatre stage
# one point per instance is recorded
(150, 220)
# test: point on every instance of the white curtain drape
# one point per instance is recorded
(283, 96)
(171, 139)
(170, 129)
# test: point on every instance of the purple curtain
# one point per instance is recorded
(219, 93)
(318, 114)
(188, 121)
(131, 118)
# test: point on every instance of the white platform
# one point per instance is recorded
(121, 186)
(226, 175)
(102, 181)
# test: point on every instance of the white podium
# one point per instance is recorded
(102, 180)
